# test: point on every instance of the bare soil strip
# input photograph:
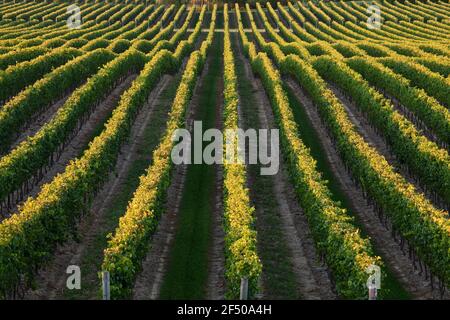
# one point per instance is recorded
(76, 145)
(390, 250)
(216, 258)
(51, 280)
(216, 261)
(312, 278)
(258, 20)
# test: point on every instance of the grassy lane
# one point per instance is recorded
(278, 274)
(93, 255)
(392, 286)
(187, 271)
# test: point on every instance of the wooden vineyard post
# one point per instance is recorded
(373, 293)
(244, 289)
(105, 285)
(374, 281)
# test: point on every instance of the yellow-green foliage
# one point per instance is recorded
(242, 259)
